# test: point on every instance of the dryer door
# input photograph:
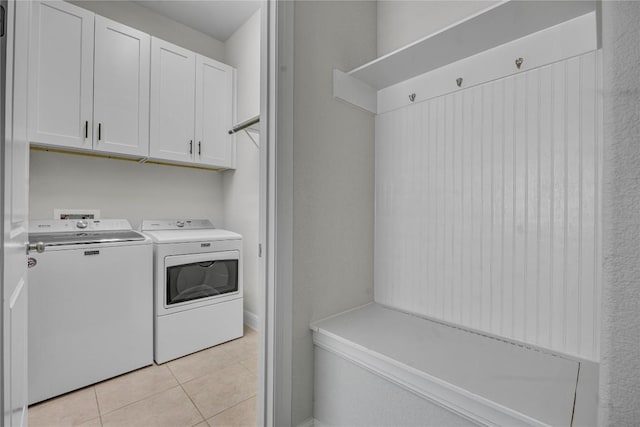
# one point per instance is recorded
(201, 277)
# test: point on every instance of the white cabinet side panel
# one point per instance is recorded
(487, 207)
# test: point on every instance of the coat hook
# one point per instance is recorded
(459, 81)
(412, 97)
(519, 62)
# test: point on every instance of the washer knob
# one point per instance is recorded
(180, 223)
(82, 224)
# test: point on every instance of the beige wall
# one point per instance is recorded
(121, 188)
(401, 22)
(332, 178)
(150, 22)
(241, 186)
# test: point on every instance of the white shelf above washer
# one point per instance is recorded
(497, 25)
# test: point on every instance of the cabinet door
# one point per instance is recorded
(214, 113)
(121, 89)
(61, 75)
(172, 102)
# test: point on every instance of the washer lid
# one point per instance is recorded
(86, 237)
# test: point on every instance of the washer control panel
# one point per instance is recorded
(69, 225)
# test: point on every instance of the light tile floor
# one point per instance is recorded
(214, 387)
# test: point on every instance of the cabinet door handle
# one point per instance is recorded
(99, 131)
(199, 148)
(86, 129)
(191, 146)
(2, 13)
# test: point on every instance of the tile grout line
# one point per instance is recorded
(210, 372)
(242, 363)
(238, 340)
(202, 376)
(188, 397)
(239, 361)
(247, 369)
(231, 407)
(95, 394)
(54, 402)
(141, 399)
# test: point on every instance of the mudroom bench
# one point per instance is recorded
(378, 366)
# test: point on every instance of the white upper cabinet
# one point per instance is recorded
(95, 84)
(61, 75)
(214, 113)
(121, 88)
(192, 107)
(172, 101)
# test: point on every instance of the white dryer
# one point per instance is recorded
(197, 278)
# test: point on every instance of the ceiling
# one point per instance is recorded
(216, 18)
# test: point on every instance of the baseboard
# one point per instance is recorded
(310, 422)
(251, 320)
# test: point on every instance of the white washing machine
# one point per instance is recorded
(90, 304)
(197, 277)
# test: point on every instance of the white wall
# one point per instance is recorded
(150, 22)
(242, 51)
(488, 207)
(122, 189)
(332, 178)
(620, 354)
(401, 22)
(241, 186)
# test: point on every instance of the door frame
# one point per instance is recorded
(276, 214)
(14, 155)
(3, 114)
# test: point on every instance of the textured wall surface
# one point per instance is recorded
(332, 178)
(488, 207)
(620, 354)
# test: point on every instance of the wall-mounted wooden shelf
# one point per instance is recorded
(494, 27)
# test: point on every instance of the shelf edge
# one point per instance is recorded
(499, 24)
(355, 91)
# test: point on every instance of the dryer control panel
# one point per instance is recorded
(179, 224)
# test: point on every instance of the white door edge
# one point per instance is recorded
(276, 221)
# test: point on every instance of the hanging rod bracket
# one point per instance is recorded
(247, 123)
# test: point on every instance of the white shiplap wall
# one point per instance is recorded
(488, 207)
